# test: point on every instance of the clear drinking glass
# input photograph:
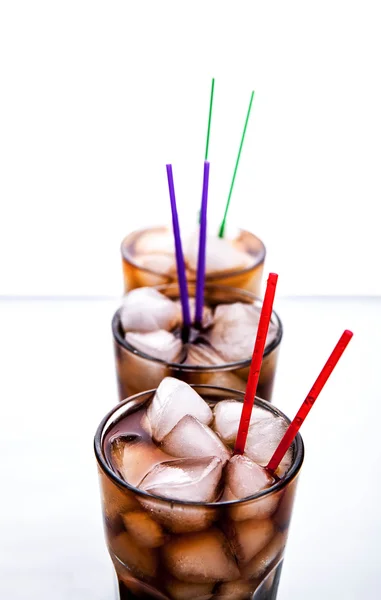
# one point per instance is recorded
(144, 264)
(176, 534)
(137, 371)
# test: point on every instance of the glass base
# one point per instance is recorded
(125, 593)
(267, 590)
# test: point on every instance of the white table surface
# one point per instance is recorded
(57, 381)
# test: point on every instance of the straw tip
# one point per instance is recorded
(348, 334)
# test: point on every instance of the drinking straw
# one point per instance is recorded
(179, 258)
(209, 120)
(308, 403)
(200, 282)
(256, 362)
(223, 224)
(208, 132)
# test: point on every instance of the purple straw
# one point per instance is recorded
(200, 284)
(179, 258)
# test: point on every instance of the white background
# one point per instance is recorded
(97, 96)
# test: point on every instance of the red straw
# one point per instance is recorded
(256, 362)
(308, 403)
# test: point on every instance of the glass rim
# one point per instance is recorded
(226, 366)
(130, 259)
(276, 487)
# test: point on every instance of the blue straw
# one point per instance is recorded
(200, 284)
(179, 258)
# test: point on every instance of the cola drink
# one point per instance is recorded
(184, 517)
(148, 259)
(148, 343)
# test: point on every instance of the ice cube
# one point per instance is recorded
(172, 401)
(136, 587)
(155, 242)
(222, 378)
(159, 263)
(207, 315)
(247, 538)
(179, 590)
(265, 432)
(142, 562)
(200, 558)
(283, 514)
(133, 458)
(234, 330)
(191, 479)
(227, 415)
(146, 425)
(263, 439)
(191, 439)
(158, 344)
(221, 255)
(245, 478)
(115, 503)
(145, 309)
(143, 530)
(266, 559)
(235, 590)
(202, 354)
(180, 518)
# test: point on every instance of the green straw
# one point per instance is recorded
(209, 120)
(208, 132)
(223, 224)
